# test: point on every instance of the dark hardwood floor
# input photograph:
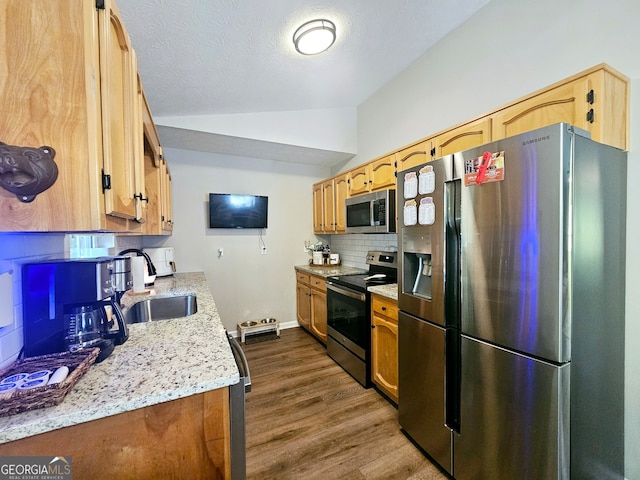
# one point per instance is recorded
(307, 418)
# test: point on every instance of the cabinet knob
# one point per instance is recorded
(384, 309)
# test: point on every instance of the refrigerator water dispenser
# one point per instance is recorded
(417, 274)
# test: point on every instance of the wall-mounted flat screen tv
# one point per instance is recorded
(228, 210)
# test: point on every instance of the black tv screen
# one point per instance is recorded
(237, 211)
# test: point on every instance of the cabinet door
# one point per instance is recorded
(319, 314)
(329, 208)
(384, 346)
(382, 173)
(414, 155)
(359, 180)
(44, 104)
(152, 172)
(140, 199)
(464, 137)
(341, 195)
(166, 215)
(118, 91)
(565, 103)
(318, 225)
(303, 301)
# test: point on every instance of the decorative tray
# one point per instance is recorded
(324, 265)
(19, 401)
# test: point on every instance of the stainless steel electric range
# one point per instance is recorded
(349, 314)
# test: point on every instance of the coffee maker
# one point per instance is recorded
(70, 304)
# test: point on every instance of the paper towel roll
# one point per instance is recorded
(137, 272)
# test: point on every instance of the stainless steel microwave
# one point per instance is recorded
(372, 213)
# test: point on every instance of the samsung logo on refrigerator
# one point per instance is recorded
(536, 140)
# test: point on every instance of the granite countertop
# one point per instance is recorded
(161, 361)
(390, 290)
(329, 270)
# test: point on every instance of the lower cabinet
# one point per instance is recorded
(384, 345)
(184, 438)
(311, 299)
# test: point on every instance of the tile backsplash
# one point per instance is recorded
(16, 249)
(353, 248)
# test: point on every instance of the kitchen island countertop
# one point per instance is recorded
(162, 360)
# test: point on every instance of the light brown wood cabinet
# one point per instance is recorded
(184, 438)
(375, 175)
(318, 209)
(414, 155)
(359, 180)
(329, 205)
(90, 112)
(384, 345)
(166, 204)
(120, 116)
(311, 299)
(596, 100)
(463, 137)
(341, 195)
(303, 300)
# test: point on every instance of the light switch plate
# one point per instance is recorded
(6, 299)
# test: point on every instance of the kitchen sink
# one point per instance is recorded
(161, 308)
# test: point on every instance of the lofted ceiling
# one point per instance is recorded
(220, 57)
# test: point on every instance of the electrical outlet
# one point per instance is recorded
(263, 250)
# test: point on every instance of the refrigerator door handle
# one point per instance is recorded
(452, 304)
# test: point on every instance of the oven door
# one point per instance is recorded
(348, 318)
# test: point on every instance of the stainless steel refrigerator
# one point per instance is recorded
(511, 297)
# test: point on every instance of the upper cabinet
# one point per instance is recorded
(414, 155)
(463, 137)
(120, 112)
(596, 100)
(72, 120)
(329, 210)
(375, 175)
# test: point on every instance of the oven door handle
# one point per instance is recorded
(348, 293)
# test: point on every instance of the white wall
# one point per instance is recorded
(245, 284)
(508, 49)
(324, 129)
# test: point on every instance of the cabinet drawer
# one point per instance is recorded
(385, 307)
(302, 277)
(319, 283)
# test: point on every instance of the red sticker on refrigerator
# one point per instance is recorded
(484, 169)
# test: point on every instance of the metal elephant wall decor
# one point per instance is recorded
(27, 171)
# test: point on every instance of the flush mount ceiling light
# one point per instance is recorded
(314, 37)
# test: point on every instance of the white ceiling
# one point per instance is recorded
(212, 57)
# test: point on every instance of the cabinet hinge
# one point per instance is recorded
(433, 152)
(106, 181)
(590, 116)
(100, 4)
(590, 97)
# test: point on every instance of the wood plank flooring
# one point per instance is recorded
(307, 418)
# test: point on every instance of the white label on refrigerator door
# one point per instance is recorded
(410, 213)
(410, 185)
(427, 180)
(427, 211)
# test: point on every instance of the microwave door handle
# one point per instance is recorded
(372, 206)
